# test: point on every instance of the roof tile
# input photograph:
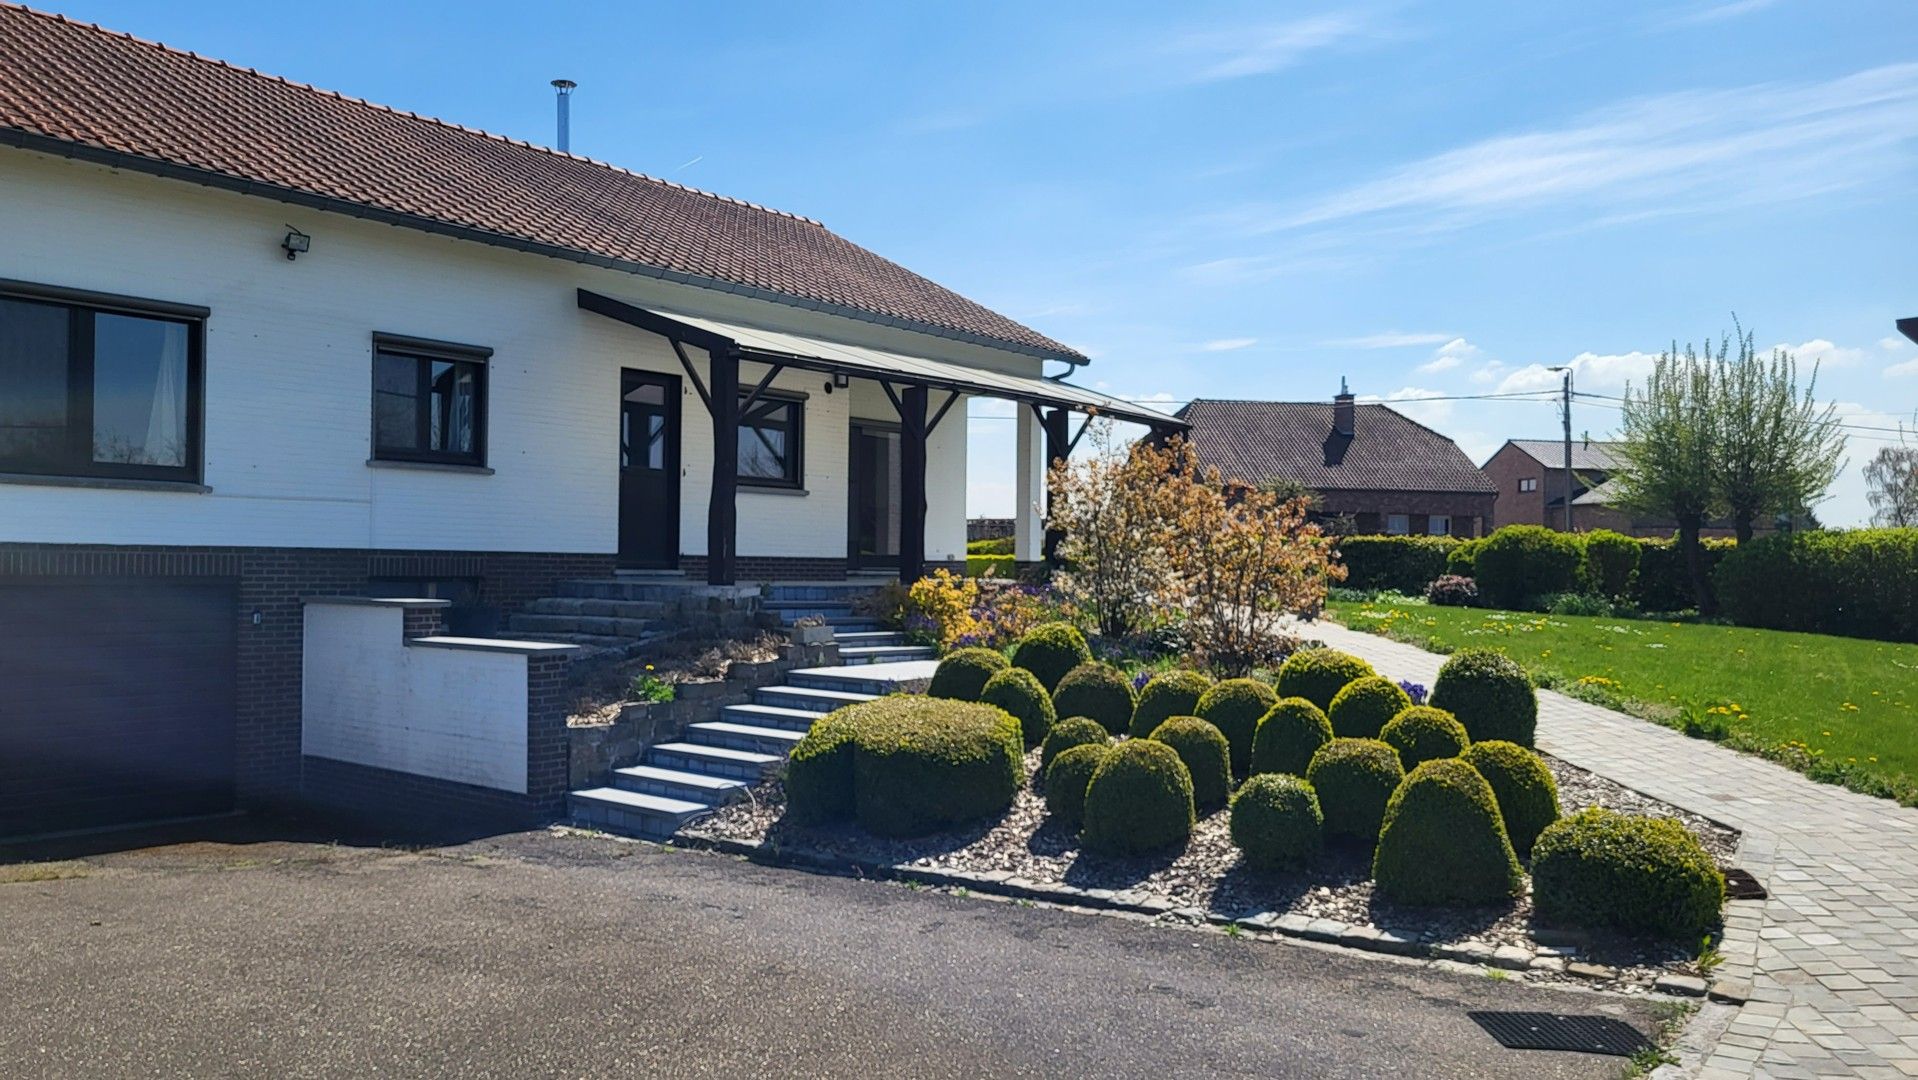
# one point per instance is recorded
(1259, 441)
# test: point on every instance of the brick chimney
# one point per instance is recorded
(1343, 410)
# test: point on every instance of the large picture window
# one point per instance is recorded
(89, 388)
(771, 441)
(429, 402)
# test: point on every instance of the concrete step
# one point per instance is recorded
(773, 716)
(732, 736)
(872, 679)
(860, 638)
(745, 765)
(601, 625)
(634, 813)
(679, 784)
(794, 611)
(854, 625)
(832, 592)
(592, 646)
(880, 654)
(579, 605)
(812, 698)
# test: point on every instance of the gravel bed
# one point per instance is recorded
(1207, 876)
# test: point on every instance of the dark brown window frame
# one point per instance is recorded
(81, 304)
(425, 351)
(795, 474)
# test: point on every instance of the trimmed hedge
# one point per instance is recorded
(963, 673)
(1049, 651)
(1069, 732)
(1611, 563)
(1234, 707)
(1663, 583)
(1018, 692)
(1490, 694)
(1289, 733)
(1354, 779)
(1276, 821)
(1462, 561)
(1403, 563)
(1365, 706)
(1068, 777)
(998, 545)
(1858, 583)
(1527, 793)
(1520, 562)
(1099, 691)
(991, 566)
(1422, 733)
(1139, 800)
(1317, 675)
(1173, 693)
(1639, 874)
(1207, 758)
(906, 764)
(1443, 842)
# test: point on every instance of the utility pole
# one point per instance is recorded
(1566, 409)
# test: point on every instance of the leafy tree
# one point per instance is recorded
(1669, 465)
(1774, 450)
(1891, 482)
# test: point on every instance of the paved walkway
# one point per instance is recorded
(1832, 956)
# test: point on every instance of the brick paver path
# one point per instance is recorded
(1832, 956)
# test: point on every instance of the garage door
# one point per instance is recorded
(116, 703)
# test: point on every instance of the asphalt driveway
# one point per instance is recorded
(545, 955)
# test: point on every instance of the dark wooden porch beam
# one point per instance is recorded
(912, 484)
(1057, 424)
(722, 512)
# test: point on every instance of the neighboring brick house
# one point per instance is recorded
(1530, 475)
(1375, 468)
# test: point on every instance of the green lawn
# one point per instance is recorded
(1841, 709)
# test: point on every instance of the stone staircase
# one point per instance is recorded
(608, 619)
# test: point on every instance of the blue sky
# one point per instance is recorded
(1431, 200)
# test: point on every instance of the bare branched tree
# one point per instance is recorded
(1775, 450)
(1891, 483)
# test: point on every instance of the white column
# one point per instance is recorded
(1029, 489)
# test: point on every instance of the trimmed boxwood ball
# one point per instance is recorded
(1422, 733)
(1289, 734)
(1639, 874)
(962, 674)
(819, 771)
(1139, 800)
(1018, 692)
(1365, 706)
(1317, 675)
(1067, 777)
(906, 764)
(1234, 707)
(1206, 755)
(1490, 694)
(1443, 842)
(1050, 650)
(1099, 691)
(1354, 779)
(1276, 821)
(1070, 732)
(1174, 693)
(1527, 793)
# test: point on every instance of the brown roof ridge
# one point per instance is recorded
(481, 132)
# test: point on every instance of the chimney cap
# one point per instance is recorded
(564, 86)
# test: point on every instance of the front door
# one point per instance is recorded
(874, 530)
(648, 470)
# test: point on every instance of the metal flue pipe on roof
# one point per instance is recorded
(565, 89)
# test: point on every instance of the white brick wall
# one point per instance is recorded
(288, 381)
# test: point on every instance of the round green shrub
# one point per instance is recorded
(1317, 675)
(1173, 693)
(1140, 799)
(1072, 731)
(1443, 842)
(819, 771)
(1611, 562)
(1206, 755)
(1354, 779)
(1422, 733)
(1520, 562)
(1638, 874)
(1067, 778)
(1490, 694)
(906, 764)
(1289, 733)
(1463, 559)
(1099, 691)
(1050, 650)
(1234, 707)
(1276, 821)
(962, 674)
(1527, 794)
(1365, 706)
(1018, 692)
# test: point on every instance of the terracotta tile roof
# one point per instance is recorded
(76, 88)
(1586, 453)
(1260, 441)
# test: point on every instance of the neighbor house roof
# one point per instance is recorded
(74, 88)
(1586, 453)
(1260, 441)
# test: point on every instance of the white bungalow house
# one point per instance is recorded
(260, 342)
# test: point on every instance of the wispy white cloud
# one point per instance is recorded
(1414, 401)
(1595, 372)
(1700, 14)
(1823, 353)
(1230, 344)
(1243, 51)
(1900, 370)
(1391, 339)
(1453, 353)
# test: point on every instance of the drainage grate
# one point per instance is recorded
(1553, 1031)
(1741, 885)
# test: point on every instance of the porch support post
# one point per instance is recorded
(1058, 425)
(1028, 488)
(722, 513)
(912, 484)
